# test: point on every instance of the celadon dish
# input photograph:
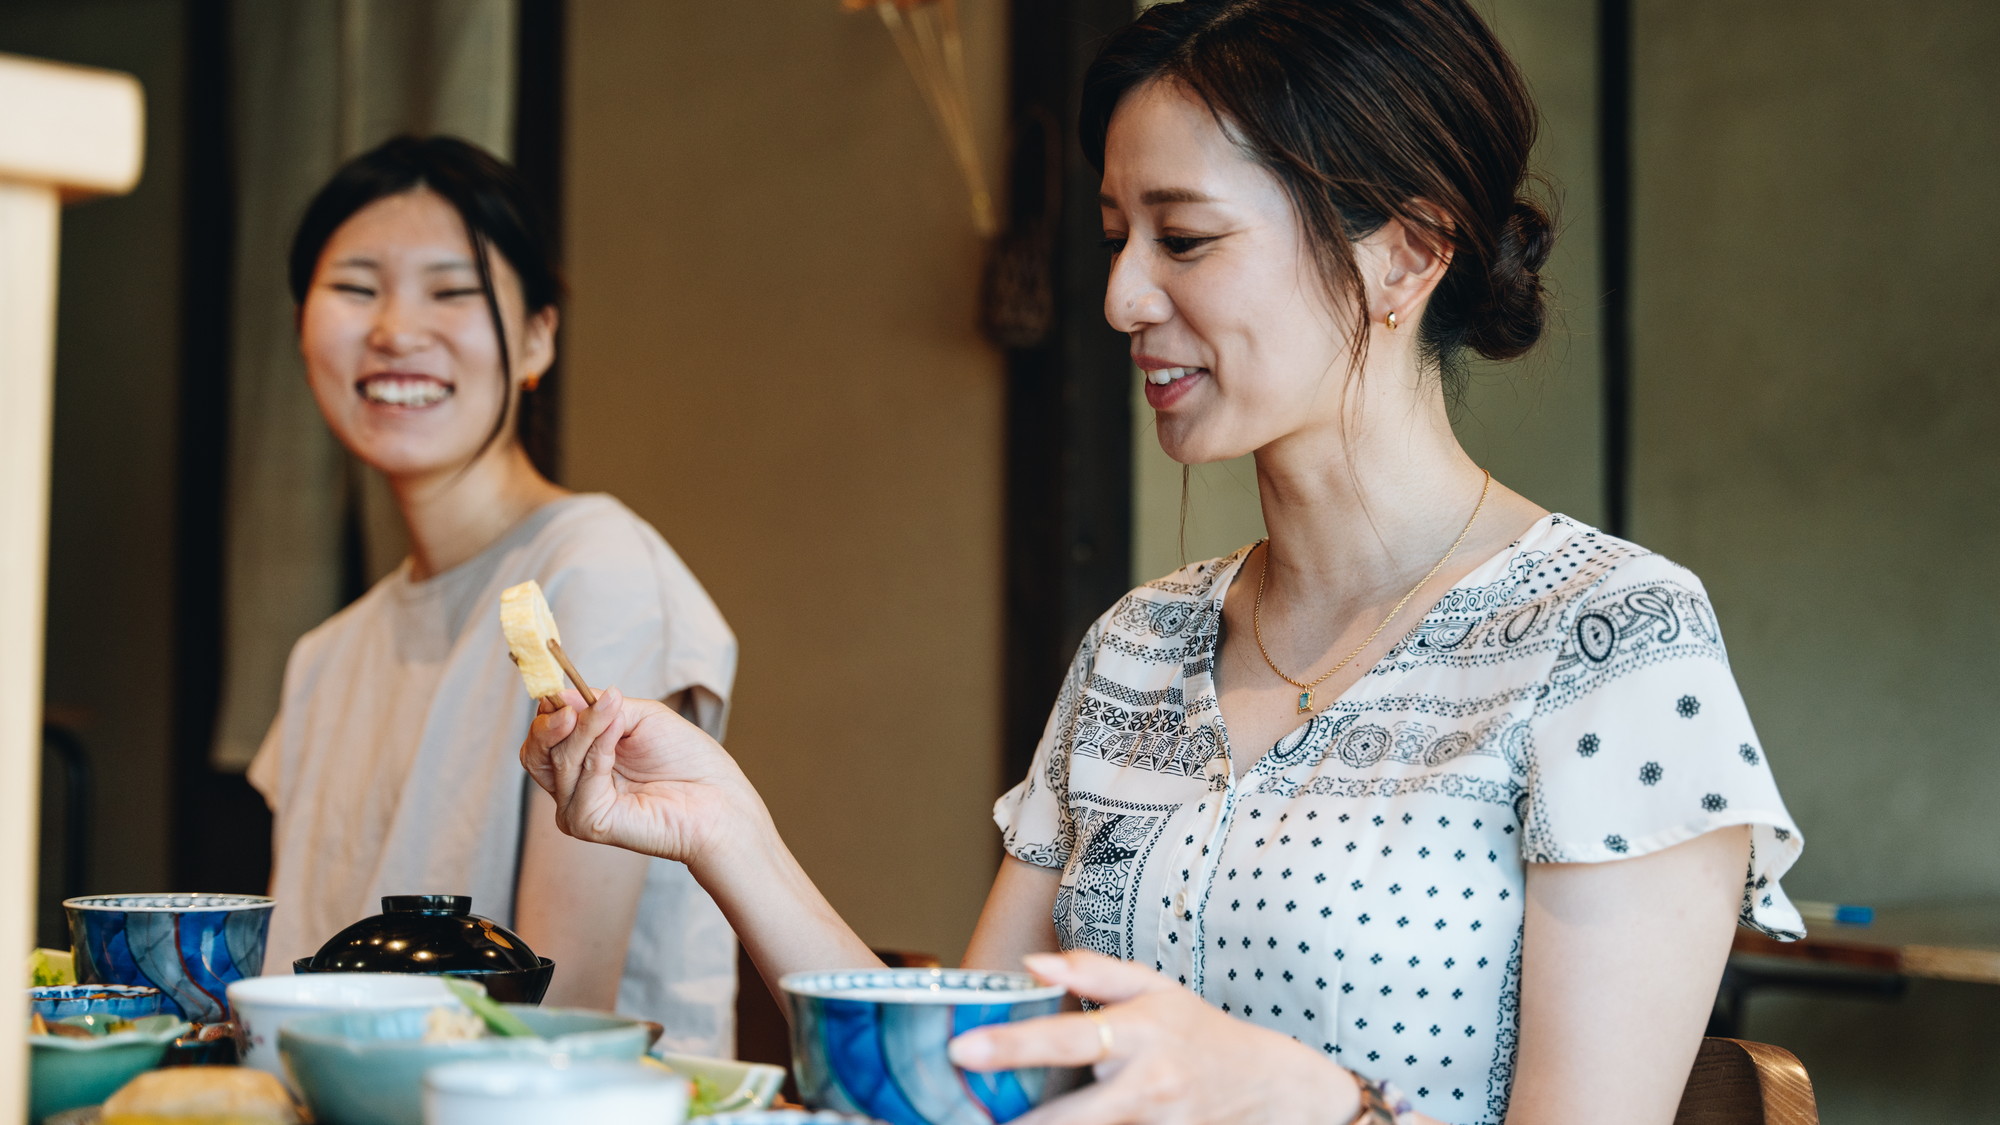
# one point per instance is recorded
(65, 1073)
(367, 1068)
(729, 1084)
(264, 1005)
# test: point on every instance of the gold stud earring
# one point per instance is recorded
(1390, 320)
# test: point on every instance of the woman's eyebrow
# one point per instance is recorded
(1152, 196)
(449, 264)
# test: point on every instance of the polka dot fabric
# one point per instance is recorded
(1359, 886)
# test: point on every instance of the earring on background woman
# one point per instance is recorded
(1390, 320)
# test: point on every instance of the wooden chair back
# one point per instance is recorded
(1736, 1082)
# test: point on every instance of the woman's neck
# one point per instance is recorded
(1359, 515)
(452, 516)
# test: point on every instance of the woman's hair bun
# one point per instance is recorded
(1510, 320)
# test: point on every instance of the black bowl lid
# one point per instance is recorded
(424, 934)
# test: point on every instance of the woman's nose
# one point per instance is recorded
(1132, 299)
(398, 328)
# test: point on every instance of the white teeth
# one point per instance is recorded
(1167, 375)
(402, 392)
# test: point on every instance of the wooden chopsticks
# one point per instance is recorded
(583, 689)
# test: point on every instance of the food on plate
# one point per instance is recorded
(235, 1094)
(704, 1097)
(529, 627)
(452, 1025)
(48, 968)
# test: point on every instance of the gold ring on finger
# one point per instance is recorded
(1105, 1041)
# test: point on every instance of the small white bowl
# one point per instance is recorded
(263, 1005)
(552, 1092)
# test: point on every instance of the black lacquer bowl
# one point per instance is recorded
(436, 935)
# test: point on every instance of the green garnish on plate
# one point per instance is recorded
(50, 967)
(499, 1020)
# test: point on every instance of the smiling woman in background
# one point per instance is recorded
(426, 308)
(1435, 805)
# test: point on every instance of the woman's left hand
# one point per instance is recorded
(1163, 1056)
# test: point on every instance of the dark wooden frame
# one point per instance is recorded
(539, 105)
(221, 828)
(1069, 416)
(1614, 173)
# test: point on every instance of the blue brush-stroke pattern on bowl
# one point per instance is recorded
(190, 947)
(118, 1001)
(886, 1058)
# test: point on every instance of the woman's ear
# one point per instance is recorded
(538, 346)
(1409, 267)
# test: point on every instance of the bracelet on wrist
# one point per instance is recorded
(1382, 1104)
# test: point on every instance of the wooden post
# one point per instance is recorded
(67, 133)
(1069, 400)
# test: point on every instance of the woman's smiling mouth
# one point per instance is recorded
(1167, 384)
(403, 390)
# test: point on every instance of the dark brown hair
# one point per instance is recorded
(1365, 111)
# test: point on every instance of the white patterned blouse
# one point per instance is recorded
(1359, 888)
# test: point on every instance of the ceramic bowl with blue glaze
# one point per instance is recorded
(115, 1001)
(188, 946)
(872, 1042)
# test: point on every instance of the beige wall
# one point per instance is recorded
(771, 355)
(1816, 408)
(1536, 422)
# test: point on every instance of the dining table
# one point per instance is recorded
(1957, 940)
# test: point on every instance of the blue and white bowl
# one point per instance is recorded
(190, 947)
(873, 1042)
(115, 1001)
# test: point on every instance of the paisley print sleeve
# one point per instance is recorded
(1641, 740)
(1034, 816)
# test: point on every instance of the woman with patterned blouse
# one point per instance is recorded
(1433, 787)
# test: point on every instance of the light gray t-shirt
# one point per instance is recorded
(393, 764)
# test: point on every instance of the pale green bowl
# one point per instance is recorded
(367, 1068)
(65, 1073)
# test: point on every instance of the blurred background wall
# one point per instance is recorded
(1815, 415)
(770, 353)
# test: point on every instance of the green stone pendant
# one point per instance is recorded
(1305, 702)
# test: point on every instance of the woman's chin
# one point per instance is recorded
(1193, 444)
(399, 462)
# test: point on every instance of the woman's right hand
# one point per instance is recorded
(634, 774)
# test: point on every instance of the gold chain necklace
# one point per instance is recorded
(1306, 689)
